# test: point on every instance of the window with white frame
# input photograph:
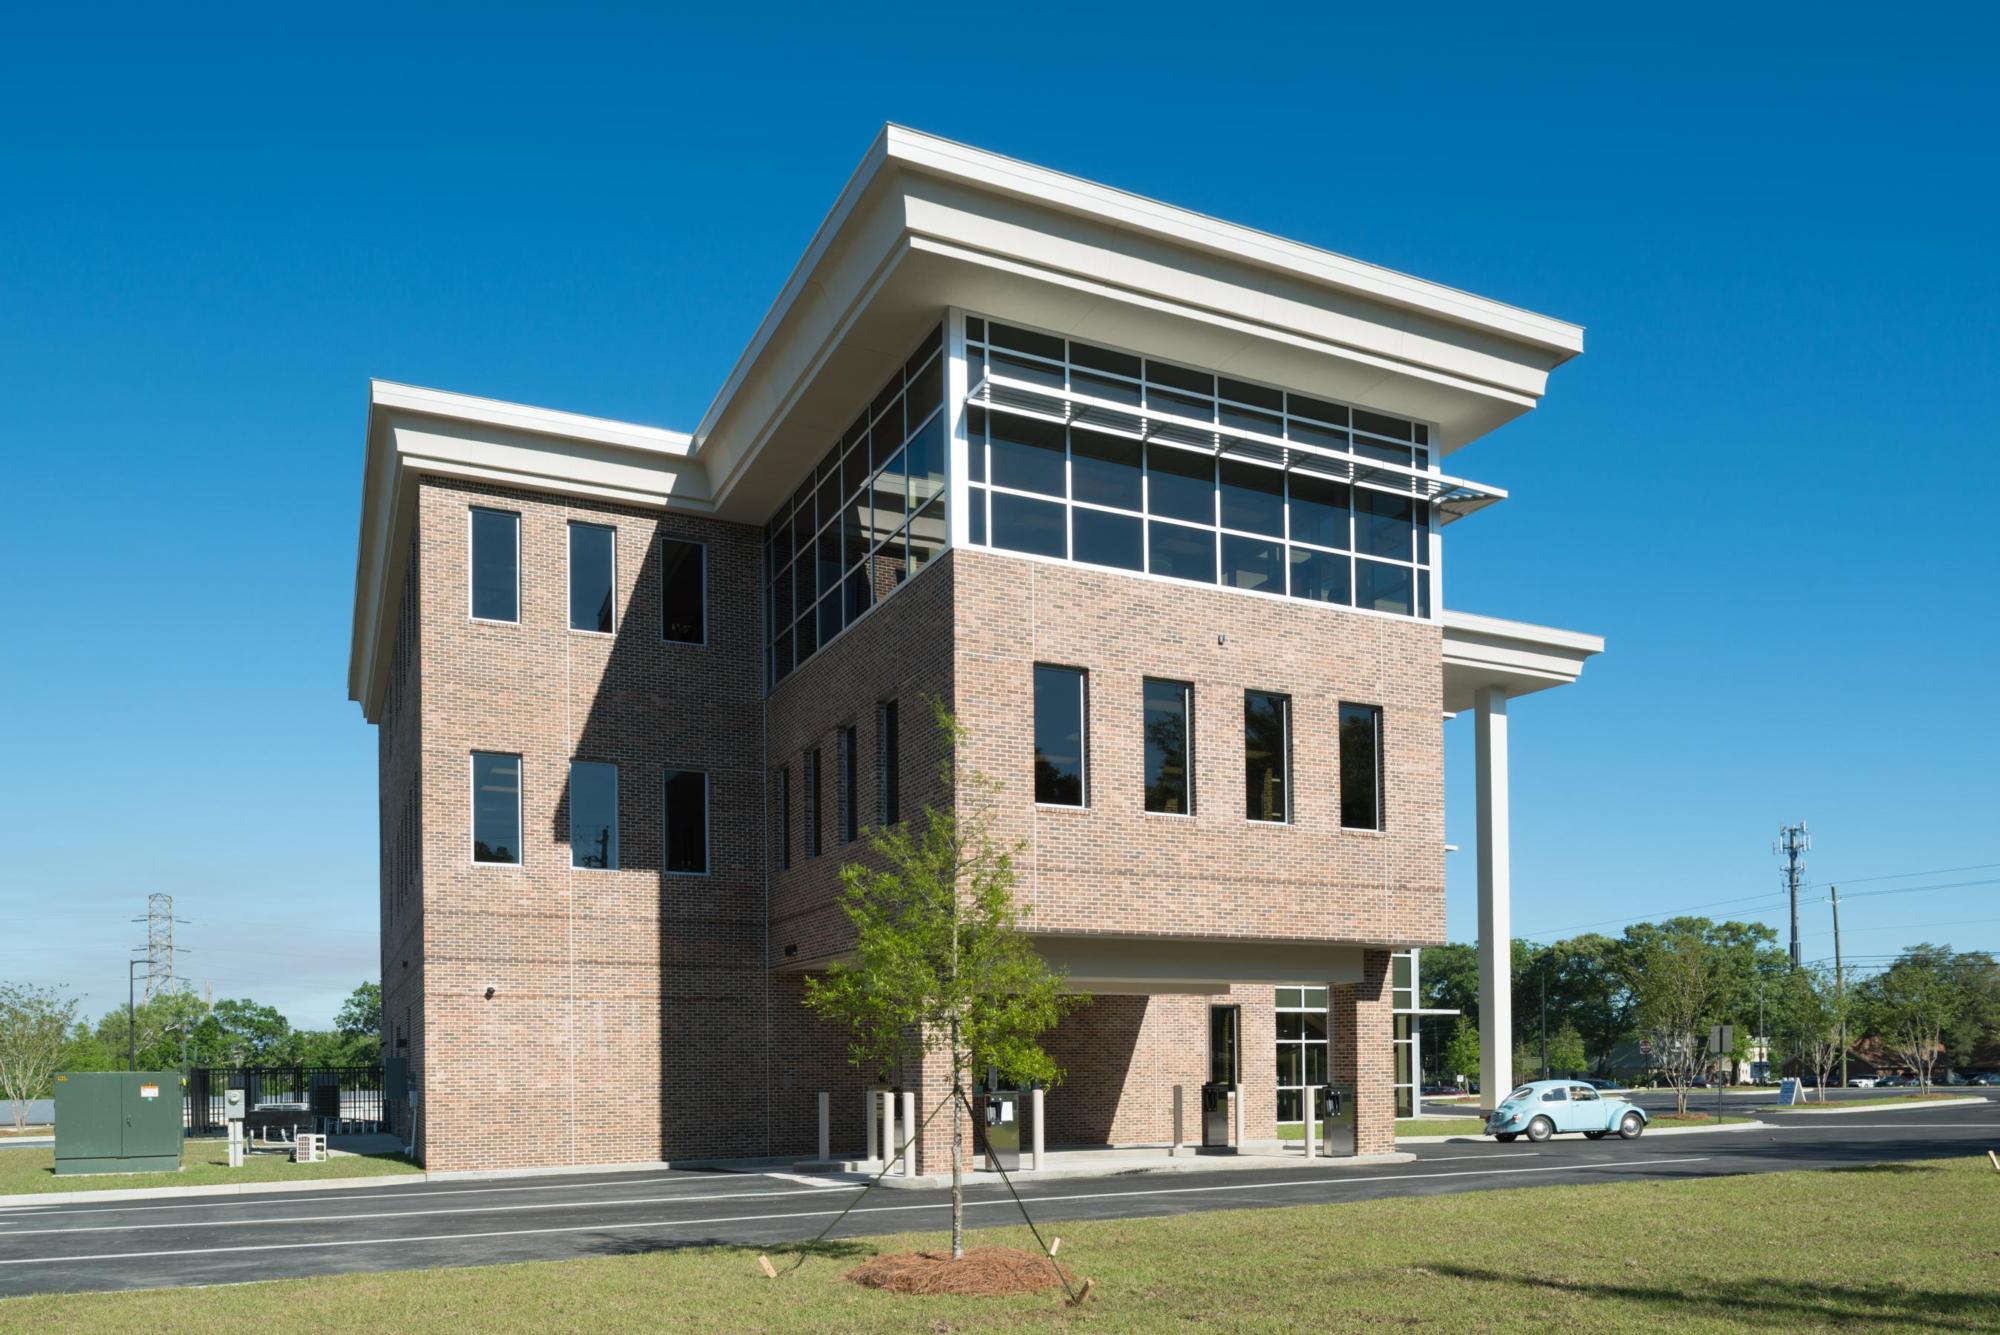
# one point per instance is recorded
(1302, 1047)
(593, 577)
(496, 807)
(495, 537)
(593, 815)
(1085, 453)
(1403, 1002)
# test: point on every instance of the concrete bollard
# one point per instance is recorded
(1236, 1092)
(825, 1126)
(888, 1128)
(1307, 1093)
(1180, 1137)
(910, 1132)
(1041, 1141)
(874, 1118)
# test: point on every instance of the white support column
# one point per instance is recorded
(888, 1128)
(1180, 1126)
(1307, 1095)
(874, 1141)
(1237, 1092)
(910, 1132)
(1035, 1104)
(1496, 926)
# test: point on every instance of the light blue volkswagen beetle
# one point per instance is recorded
(1541, 1108)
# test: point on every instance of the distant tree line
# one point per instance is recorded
(1648, 998)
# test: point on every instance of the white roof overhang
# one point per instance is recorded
(926, 224)
(1518, 658)
(415, 433)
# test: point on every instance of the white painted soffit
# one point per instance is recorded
(413, 433)
(1170, 965)
(1518, 657)
(925, 223)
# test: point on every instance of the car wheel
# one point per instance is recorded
(1541, 1129)
(1594, 1135)
(1631, 1126)
(1505, 1136)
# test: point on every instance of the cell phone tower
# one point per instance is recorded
(1791, 844)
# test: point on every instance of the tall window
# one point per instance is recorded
(683, 591)
(785, 818)
(496, 807)
(496, 565)
(592, 576)
(1360, 767)
(1406, 1041)
(850, 818)
(1169, 746)
(1267, 755)
(888, 765)
(1302, 1059)
(687, 822)
(593, 815)
(1061, 763)
(811, 797)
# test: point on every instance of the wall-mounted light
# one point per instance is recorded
(489, 993)
(791, 951)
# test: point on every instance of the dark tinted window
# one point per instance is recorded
(1253, 498)
(1360, 767)
(1323, 577)
(888, 765)
(850, 816)
(496, 807)
(1253, 563)
(1180, 484)
(1105, 470)
(593, 815)
(496, 565)
(1181, 553)
(1022, 525)
(1027, 454)
(1060, 775)
(811, 800)
(687, 821)
(1385, 588)
(785, 817)
(1319, 511)
(590, 577)
(1383, 523)
(1267, 755)
(1168, 742)
(683, 591)
(1106, 539)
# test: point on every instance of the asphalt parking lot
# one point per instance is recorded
(143, 1244)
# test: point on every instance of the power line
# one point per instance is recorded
(1778, 896)
(1900, 876)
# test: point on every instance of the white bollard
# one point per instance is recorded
(1308, 1093)
(1041, 1141)
(1180, 1138)
(1237, 1092)
(888, 1128)
(910, 1132)
(825, 1126)
(874, 1140)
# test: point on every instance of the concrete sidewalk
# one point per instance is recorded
(1145, 1160)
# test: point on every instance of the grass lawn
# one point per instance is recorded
(1885, 1100)
(1651, 1256)
(204, 1163)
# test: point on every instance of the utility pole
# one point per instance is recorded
(1545, 1015)
(1792, 841)
(159, 922)
(1839, 983)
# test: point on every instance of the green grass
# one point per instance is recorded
(1885, 1100)
(204, 1163)
(1643, 1256)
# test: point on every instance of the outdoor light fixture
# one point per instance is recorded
(791, 951)
(489, 992)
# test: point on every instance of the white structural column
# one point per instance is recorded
(1496, 928)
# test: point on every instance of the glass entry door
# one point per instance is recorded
(1222, 1033)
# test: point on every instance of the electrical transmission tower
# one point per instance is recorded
(1792, 841)
(159, 922)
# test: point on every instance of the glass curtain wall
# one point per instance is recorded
(1064, 490)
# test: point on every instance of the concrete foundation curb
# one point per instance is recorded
(1212, 1163)
(1922, 1105)
(1650, 1132)
(196, 1193)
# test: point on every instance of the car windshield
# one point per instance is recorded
(1519, 1094)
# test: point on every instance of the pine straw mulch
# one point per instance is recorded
(981, 1272)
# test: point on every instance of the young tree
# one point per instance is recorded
(1813, 1009)
(34, 1029)
(940, 964)
(1566, 1055)
(1909, 1005)
(1461, 1051)
(1673, 986)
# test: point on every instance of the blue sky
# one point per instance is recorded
(1762, 481)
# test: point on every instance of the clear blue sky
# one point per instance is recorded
(1765, 481)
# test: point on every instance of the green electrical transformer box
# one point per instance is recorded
(118, 1122)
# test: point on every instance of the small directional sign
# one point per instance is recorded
(1722, 1038)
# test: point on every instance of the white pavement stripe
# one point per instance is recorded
(265, 1222)
(417, 1191)
(663, 1224)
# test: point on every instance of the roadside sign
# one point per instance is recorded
(1722, 1038)
(1790, 1092)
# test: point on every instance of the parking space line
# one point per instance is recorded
(662, 1224)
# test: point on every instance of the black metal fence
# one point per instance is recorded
(332, 1098)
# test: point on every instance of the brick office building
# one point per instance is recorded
(1155, 504)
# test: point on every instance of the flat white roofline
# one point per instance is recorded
(1122, 209)
(1482, 652)
(471, 408)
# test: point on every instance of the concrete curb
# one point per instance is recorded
(1650, 1132)
(14, 1142)
(1924, 1105)
(1211, 1163)
(221, 1189)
